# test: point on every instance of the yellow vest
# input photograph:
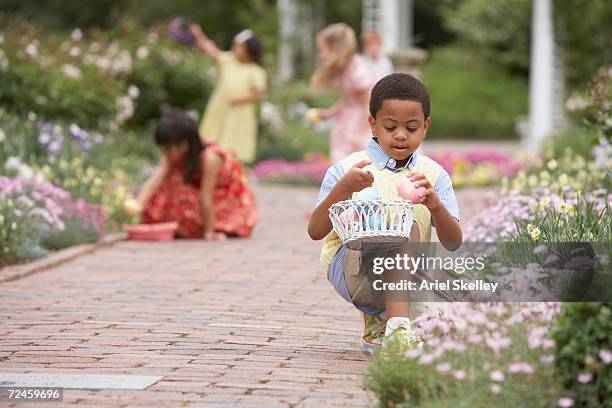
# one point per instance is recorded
(387, 182)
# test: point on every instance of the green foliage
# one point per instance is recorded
(17, 232)
(582, 330)
(582, 222)
(496, 31)
(292, 142)
(472, 100)
(578, 141)
(76, 232)
(585, 41)
(60, 14)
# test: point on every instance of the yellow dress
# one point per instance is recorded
(233, 127)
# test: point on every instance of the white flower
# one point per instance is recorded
(576, 103)
(74, 52)
(125, 108)
(71, 71)
(142, 53)
(2, 135)
(133, 91)
(32, 50)
(76, 34)
(4, 62)
(153, 37)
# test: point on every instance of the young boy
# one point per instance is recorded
(379, 63)
(399, 118)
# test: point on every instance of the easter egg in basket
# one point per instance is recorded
(180, 30)
(406, 190)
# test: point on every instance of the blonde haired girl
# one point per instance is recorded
(342, 68)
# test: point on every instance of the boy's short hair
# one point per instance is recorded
(399, 86)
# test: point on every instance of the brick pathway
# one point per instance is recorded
(245, 322)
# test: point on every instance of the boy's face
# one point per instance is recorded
(400, 127)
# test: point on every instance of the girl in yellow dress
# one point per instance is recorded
(230, 118)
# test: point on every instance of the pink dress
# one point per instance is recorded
(351, 131)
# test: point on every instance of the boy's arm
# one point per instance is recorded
(447, 227)
(356, 179)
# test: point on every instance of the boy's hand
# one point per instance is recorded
(356, 179)
(432, 201)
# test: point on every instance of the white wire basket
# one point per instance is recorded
(360, 221)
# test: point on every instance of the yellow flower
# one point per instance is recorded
(529, 227)
(565, 208)
(552, 164)
(532, 181)
(545, 201)
(535, 233)
(563, 179)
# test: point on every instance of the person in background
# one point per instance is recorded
(201, 186)
(230, 118)
(342, 68)
(372, 46)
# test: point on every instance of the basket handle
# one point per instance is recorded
(376, 183)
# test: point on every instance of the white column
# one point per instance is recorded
(390, 25)
(287, 26)
(541, 74)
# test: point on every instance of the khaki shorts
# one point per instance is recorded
(359, 277)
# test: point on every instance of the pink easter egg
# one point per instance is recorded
(347, 215)
(406, 190)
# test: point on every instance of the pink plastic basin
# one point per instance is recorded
(163, 231)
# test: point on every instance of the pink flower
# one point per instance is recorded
(443, 368)
(565, 402)
(547, 359)
(497, 376)
(426, 359)
(413, 353)
(495, 389)
(459, 374)
(584, 378)
(606, 356)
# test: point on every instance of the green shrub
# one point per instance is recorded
(578, 141)
(75, 232)
(471, 100)
(581, 332)
(292, 142)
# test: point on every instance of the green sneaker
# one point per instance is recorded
(373, 333)
(400, 336)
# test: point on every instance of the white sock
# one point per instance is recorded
(393, 322)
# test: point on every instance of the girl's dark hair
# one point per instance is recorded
(175, 127)
(254, 47)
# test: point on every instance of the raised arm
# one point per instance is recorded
(205, 44)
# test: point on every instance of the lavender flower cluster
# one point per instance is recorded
(51, 137)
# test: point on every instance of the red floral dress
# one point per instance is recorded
(235, 212)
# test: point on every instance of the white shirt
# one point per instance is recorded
(380, 67)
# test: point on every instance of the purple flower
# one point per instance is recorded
(55, 146)
(179, 30)
(77, 133)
